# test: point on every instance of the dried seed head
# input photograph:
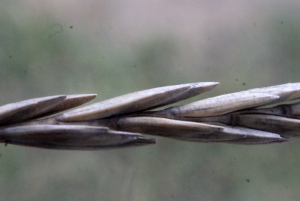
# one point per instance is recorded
(98, 126)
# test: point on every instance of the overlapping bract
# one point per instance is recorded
(238, 118)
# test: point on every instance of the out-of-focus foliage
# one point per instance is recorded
(112, 48)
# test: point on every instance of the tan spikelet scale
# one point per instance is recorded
(222, 104)
(28, 109)
(281, 125)
(286, 92)
(165, 127)
(70, 137)
(69, 102)
(136, 101)
(194, 90)
(237, 135)
(252, 136)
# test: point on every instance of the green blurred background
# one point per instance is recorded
(114, 47)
